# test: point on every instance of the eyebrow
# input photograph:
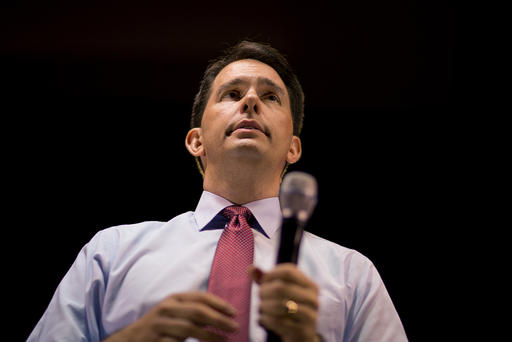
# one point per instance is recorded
(242, 81)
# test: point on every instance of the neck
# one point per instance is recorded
(241, 185)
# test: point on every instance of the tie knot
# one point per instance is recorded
(236, 210)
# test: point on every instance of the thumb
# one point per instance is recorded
(255, 273)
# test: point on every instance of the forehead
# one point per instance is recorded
(249, 69)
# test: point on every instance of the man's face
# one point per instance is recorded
(248, 115)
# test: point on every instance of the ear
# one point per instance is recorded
(295, 150)
(194, 142)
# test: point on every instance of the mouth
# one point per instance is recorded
(247, 126)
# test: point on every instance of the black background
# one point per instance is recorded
(97, 100)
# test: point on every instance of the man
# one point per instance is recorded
(157, 281)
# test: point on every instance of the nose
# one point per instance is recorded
(250, 103)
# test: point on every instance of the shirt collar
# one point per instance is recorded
(267, 211)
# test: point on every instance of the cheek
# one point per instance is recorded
(214, 123)
(283, 135)
(285, 125)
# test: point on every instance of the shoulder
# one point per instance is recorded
(141, 229)
(339, 262)
(329, 249)
(136, 235)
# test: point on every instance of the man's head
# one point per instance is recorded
(265, 54)
(253, 86)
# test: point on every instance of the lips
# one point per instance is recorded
(246, 124)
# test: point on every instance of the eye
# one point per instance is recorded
(272, 97)
(233, 95)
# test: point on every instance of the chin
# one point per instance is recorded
(247, 148)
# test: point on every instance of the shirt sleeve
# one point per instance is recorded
(372, 316)
(74, 313)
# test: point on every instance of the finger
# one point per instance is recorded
(209, 299)
(289, 273)
(281, 291)
(181, 329)
(278, 311)
(255, 273)
(168, 339)
(292, 329)
(279, 326)
(200, 314)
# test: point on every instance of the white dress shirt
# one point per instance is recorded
(125, 270)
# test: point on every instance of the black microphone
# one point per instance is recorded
(298, 197)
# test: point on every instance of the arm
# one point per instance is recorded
(372, 315)
(69, 315)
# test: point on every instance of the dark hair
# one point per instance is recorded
(263, 53)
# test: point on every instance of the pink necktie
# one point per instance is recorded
(229, 278)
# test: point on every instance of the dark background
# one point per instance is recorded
(97, 99)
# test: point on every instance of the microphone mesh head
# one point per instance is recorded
(298, 195)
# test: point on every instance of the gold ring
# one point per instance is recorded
(291, 307)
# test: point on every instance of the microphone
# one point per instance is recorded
(298, 198)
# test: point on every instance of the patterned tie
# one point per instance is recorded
(229, 278)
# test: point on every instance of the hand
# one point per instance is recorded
(277, 287)
(180, 316)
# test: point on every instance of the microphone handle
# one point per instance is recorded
(291, 235)
(272, 337)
